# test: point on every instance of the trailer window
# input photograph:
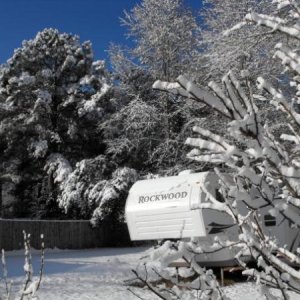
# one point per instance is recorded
(270, 220)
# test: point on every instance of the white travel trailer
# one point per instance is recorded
(168, 208)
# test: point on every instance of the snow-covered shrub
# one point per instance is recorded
(265, 169)
(90, 189)
(110, 200)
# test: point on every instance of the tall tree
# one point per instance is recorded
(155, 132)
(158, 27)
(52, 98)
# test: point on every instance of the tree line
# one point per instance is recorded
(76, 135)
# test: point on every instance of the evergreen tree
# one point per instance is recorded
(53, 97)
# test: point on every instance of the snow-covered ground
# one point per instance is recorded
(97, 274)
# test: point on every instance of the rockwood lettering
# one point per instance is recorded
(160, 197)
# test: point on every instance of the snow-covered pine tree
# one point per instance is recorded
(136, 133)
(53, 97)
(265, 169)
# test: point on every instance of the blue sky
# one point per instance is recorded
(94, 20)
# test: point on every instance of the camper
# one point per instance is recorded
(168, 208)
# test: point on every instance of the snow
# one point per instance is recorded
(187, 88)
(44, 96)
(282, 3)
(97, 274)
(69, 62)
(40, 148)
(60, 167)
(46, 73)
(273, 23)
(24, 79)
(235, 27)
(81, 274)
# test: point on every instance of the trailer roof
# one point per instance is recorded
(164, 184)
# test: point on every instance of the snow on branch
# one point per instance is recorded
(264, 175)
(264, 169)
(238, 26)
(274, 23)
(171, 87)
(278, 99)
(212, 147)
(288, 57)
(203, 95)
(188, 89)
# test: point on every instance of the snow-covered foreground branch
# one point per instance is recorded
(265, 168)
(31, 285)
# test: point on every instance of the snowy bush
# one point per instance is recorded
(110, 200)
(89, 189)
(266, 170)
